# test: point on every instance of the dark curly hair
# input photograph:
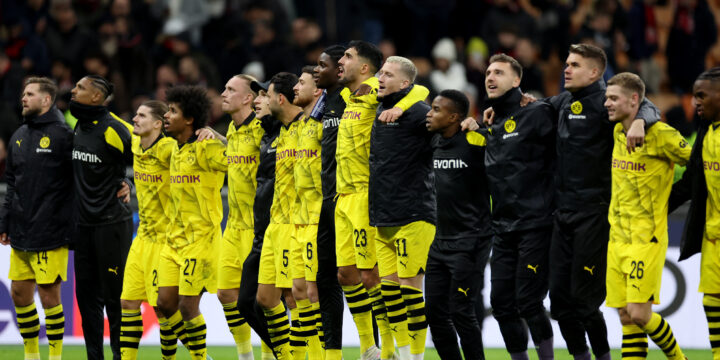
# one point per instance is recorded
(193, 101)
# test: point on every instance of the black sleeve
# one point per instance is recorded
(682, 190)
(648, 112)
(9, 193)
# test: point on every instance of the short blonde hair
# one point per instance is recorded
(629, 81)
(406, 66)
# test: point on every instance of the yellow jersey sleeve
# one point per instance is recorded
(672, 145)
(195, 191)
(211, 155)
(243, 158)
(284, 196)
(711, 168)
(641, 183)
(417, 93)
(475, 138)
(308, 169)
(152, 186)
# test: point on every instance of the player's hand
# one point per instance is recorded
(390, 115)
(488, 116)
(4, 239)
(636, 135)
(527, 99)
(469, 124)
(124, 193)
(205, 134)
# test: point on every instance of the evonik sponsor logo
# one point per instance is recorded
(151, 178)
(628, 165)
(184, 179)
(306, 153)
(86, 157)
(449, 164)
(353, 115)
(241, 159)
(711, 165)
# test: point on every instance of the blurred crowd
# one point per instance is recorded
(145, 46)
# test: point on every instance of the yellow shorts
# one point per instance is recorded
(354, 237)
(404, 249)
(42, 266)
(234, 249)
(710, 266)
(634, 272)
(192, 268)
(141, 271)
(275, 256)
(307, 241)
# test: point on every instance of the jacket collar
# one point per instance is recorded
(87, 113)
(507, 103)
(49, 117)
(392, 99)
(590, 89)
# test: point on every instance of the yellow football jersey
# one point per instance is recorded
(243, 156)
(284, 197)
(197, 173)
(308, 169)
(152, 186)
(641, 183)
(711, 166)
(353, 139)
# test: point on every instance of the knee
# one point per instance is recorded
(347, 276)
(312, 293)
(638, 318)
(625, 318)
(167, 306)
(227, 296)
(369, 279)
(528, 308)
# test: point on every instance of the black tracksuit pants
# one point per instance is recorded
(578, 261)
(329, 290)
(247, 297)
(519, 283)
(100, 255)
(453, 285)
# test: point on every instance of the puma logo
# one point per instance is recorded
(393, 328)
(412, 336)
(404, 264)
(18, 142)
(189, 282)
(363, 255)
(308, 266)
(635, 286)
(284, 273)
(51, 344)
(43, 270)
(533, 268)
(464, 291)
(590, 270)
(114, 271)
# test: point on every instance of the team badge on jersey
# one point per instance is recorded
(44, 142)
(510, 125)
(576, 107)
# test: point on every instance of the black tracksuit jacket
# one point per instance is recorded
(38, 213)
(402, 184)
(520, 163)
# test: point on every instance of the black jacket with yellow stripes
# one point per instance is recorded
(402, 182)
(102, 149)
(38, 212)
(520, 162)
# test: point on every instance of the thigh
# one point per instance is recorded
(297, 247)
(590, 249)
(412, 244)
(309, 251)
(385, 251)
(503, 267)
(283, 255)
(438, 285)
(345, 248)
(235, 247)
(267, 269)
(710, 266)
(533, 259)
(363, 235)
(198, 267)
(644, 266)
(134, 277)
(616, 277)
(21, 267)
(168, 267)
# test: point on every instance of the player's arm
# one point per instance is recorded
(208, 133)
(648, 114)
(417, 93)
(119, 141)
(211, 155)
(675, 147)
(9, 195)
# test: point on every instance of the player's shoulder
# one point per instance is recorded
(475, 138)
